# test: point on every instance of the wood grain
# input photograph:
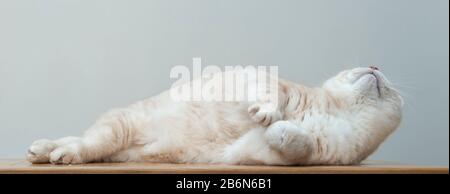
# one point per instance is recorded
(369, 167)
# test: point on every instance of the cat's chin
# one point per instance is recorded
(372, 82)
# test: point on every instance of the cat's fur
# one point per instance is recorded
(341, 122)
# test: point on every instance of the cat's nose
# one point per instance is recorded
(374, 67)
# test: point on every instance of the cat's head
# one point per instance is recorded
(362, 83)
(366, 92)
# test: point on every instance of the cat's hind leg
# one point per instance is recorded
(112, 133)
(39, 151)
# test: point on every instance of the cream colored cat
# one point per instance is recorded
(341, 123)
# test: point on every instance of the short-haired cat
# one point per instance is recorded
(340, 123)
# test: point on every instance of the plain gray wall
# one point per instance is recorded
(62, 63)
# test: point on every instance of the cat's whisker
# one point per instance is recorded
(406, 87)
(408, 99)
(402, 84)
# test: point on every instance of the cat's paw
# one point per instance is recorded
(67, 154)
(293, 141)
(264, 113)
(39, 151)
(281, 133)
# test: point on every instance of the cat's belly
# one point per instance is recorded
(190, 131)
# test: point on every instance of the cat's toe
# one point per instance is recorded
(281, 133)
(66, 155)
(293, 141)
(263, 115)
(276, 133)
(39, 151)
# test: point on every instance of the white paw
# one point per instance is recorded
(68, 154)
(264, 114)
(291, 140)
(40, 150)
(280, 133)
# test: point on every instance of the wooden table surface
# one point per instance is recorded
(372, 167)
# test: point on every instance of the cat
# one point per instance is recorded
(341, 122)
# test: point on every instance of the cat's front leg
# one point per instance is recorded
(271, 101)
(269, 106)
(293, 142)
(264, 113)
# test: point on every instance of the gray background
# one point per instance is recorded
(62, 63)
